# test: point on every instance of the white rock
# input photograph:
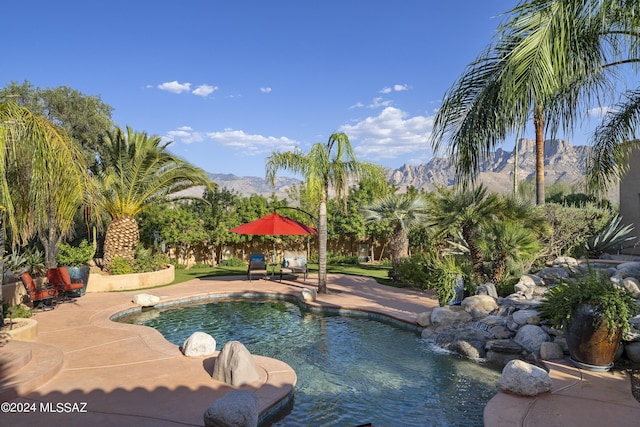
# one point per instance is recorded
(199, 344)
(146, 300)
(235, 365)
(309, 294)
(632, 285)
(524, 379)
(237, 408)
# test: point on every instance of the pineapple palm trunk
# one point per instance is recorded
(121, 240)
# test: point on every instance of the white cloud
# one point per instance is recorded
(185, 135)
(204, 90)
(251, 144)
(391, 134)
(265, 89)
(357, 105)
(600, 112)
(379, 102)
(175, 87)
(394, 88)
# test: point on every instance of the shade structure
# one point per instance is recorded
(274, 225)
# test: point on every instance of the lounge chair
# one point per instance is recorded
(42, 298)
(60, 279)
(257, 266)
(294, 262)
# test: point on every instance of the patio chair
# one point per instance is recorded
(60, 279)
(294, 262)
(42, 298)
(257, 266)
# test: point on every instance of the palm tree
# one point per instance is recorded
(41, 181)
(404, 212)
(136, 171)
(325, 167)
(43, 178)
(534, 68)
(465, 212)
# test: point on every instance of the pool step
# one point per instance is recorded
(25, 366)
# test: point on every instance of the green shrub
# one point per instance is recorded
(19, 310)
(431, 271)
(75, 256)
(121, 266)
(232, 262)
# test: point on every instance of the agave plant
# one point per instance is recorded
(613, 236)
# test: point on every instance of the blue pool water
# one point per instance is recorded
(351, 371)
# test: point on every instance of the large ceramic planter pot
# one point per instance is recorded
(591, 347)
(80, 273)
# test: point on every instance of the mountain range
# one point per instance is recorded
(564, 163)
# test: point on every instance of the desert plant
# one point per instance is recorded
(612, 237)
(35, 261)
(615, 305)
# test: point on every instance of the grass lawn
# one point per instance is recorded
(377, 272)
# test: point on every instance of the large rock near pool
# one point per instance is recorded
(146, 300)
(238, 408)
(530, 337)
(524, 379)
(199, 344)
(449, 315)
(479, 305)
(235, 365)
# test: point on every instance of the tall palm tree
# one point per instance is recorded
(536, 68)
(325, 167)
(43, 178)
(135, 171)
(41, 181)
(404, 212)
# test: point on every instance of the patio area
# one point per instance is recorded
(85, 369)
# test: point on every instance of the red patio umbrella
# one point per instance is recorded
(273, 225)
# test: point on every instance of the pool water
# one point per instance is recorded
(351, 371)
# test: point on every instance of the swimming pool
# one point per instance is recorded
(350, 370)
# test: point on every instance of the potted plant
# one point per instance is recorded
(76, 259)
(594, 314)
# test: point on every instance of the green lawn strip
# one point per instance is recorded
(379, 273)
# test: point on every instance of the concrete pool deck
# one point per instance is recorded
(130, 375)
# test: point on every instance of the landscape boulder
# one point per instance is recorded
(309, 294)
(530, 337)
(479, 305)
(237, 408)
(199, 344)
(524, 379)
(146, 300)
(449, 315)
(235, 365)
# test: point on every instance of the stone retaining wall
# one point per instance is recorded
(99, 282)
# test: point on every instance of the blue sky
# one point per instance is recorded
(231, 81)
